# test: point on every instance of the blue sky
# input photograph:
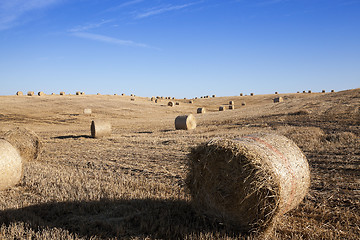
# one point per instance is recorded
(179, 48)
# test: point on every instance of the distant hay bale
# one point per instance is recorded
(323, 91)
(196, 97)
(52, 93)
(152, 99)
(82, 93)
(251, 94)
(30, 93)
(98, 94)
(279, 99)
(276, 92)
(115, 94)
(304, 91)
(241, 94)
(157, 100)
(213, 95)
(177, 103)
(297, 92)
(201, 110)
(100, 128)
(170, 104)
(10, 165)
(309, 91)
(26, 141)
(132, 99)
(243, 103)
(19, 93)
(123, 94)
(191, 101)
(161, 97)
(250, 182)
(131, 95)
(173, 98)
(185, 122)
(41, 93)
(231, 107)
(78, 93)
(62, 93)
(231, 102)
(221, 108)
(332, 90)
(87, 111)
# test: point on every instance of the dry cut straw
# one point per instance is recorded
(185, 122)
(10, 165)
(26, 141)
(250, 182)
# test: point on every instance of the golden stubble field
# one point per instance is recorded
(130, 185)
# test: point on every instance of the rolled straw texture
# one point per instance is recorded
(10, 165)
(185, 122)
(248, 182)
(100, 128)
(171, 104)
(87, 111)
(221, 108)
(201, 110)
(27, 142)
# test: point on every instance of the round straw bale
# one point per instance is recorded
(251, 94)
(98, 94)
(276, 92)
(30, 93)
(279, 99)
(26, 141)
(87, 111)
(231, 102)
(177, 103)
(100, 128)
(41, 93)
(52, 93)
(213, 95)
(221, 108)
(19, 93)
(297, 92)
(309, 91)
(241, 94)
(323, 91)
(62, 93)
(196, 97)
(201, 110)
(248, 182)
(10, 165)
(243, 103)
(82, 93)
(173, 98)
(157, 100)
(304, 91)
(171, 104)
(191, 101)
(78, 93)
(132, 99)
(123, 94)
(185, 122)
(231, 107)
(332, 90)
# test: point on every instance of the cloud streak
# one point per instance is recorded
(125, 4)
(12, 11)
(160, 10)
(106, 39)
(82, 28)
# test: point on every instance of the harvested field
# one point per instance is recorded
(131, 184)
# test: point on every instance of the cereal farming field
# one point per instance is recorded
(130, 185)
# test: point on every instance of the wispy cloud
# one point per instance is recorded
(82, 28)
(12, 11)
(160, 10)
(125, 4)
(106, 39)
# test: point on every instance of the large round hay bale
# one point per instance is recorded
(171, 104)
(30, 93)
(177, 103)
(248, 182)
(157, 100)
(10, 165)
(191, 101)
(19, 93)
(185, 122)
(201, 110)
(213, 95)
(243, 103)
(87, 111)
(27, 142)
(100, 128)
(323, 91)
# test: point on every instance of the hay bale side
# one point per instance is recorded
(157, 100)
(231, 107)
(201, 110)
(221, 108)
(78, 93)
(100, 128)
(87, 111)
(27, 142)
(177, 103)
(231, 102)
(191, 101)
(276, 92)
(30, 93)
(10, 165)
(62, 93)
(171, 104)
(279, 99)
(41, 93)
(185, 122)
(19, 93)
(249, 182)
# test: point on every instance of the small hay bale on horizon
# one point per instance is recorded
(62, 93)
(276, 92)
(241, 94)
(100, 128)
(78, 93)
(41, 93)
(26, 141)
(251, 94)
(171, 104)
(309, 91)
(10, 165)
(201, 110)
(323, 91)
(213, 95)
(222, 108)
(278, 99)
(19, 93)
(191, 101)
(98, 94)
(332, 90)
(248, 183)
(30, 93)
(185, 122)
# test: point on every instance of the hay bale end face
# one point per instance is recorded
(309, 91)
(214, 96)
(191, 101)
(221, 108)
(231, 102)
(231, 107)
(332, 90)
(30, 93)
(276, 92)
(62, 93)
(241, 94)
(100, 128)
(279, 99)
(19, 93)
(185, 122)
(27, 142)
(87, 111)
(41, 93)
(78, 93)
(249, 182)
(323, 91)
(243, 103)
(201, 110)
(251, 94)
(10, 165)
(171, 104)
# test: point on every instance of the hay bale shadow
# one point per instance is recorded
(157, 219)
(72, 137)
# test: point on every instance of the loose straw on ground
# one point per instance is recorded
(249, 182)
